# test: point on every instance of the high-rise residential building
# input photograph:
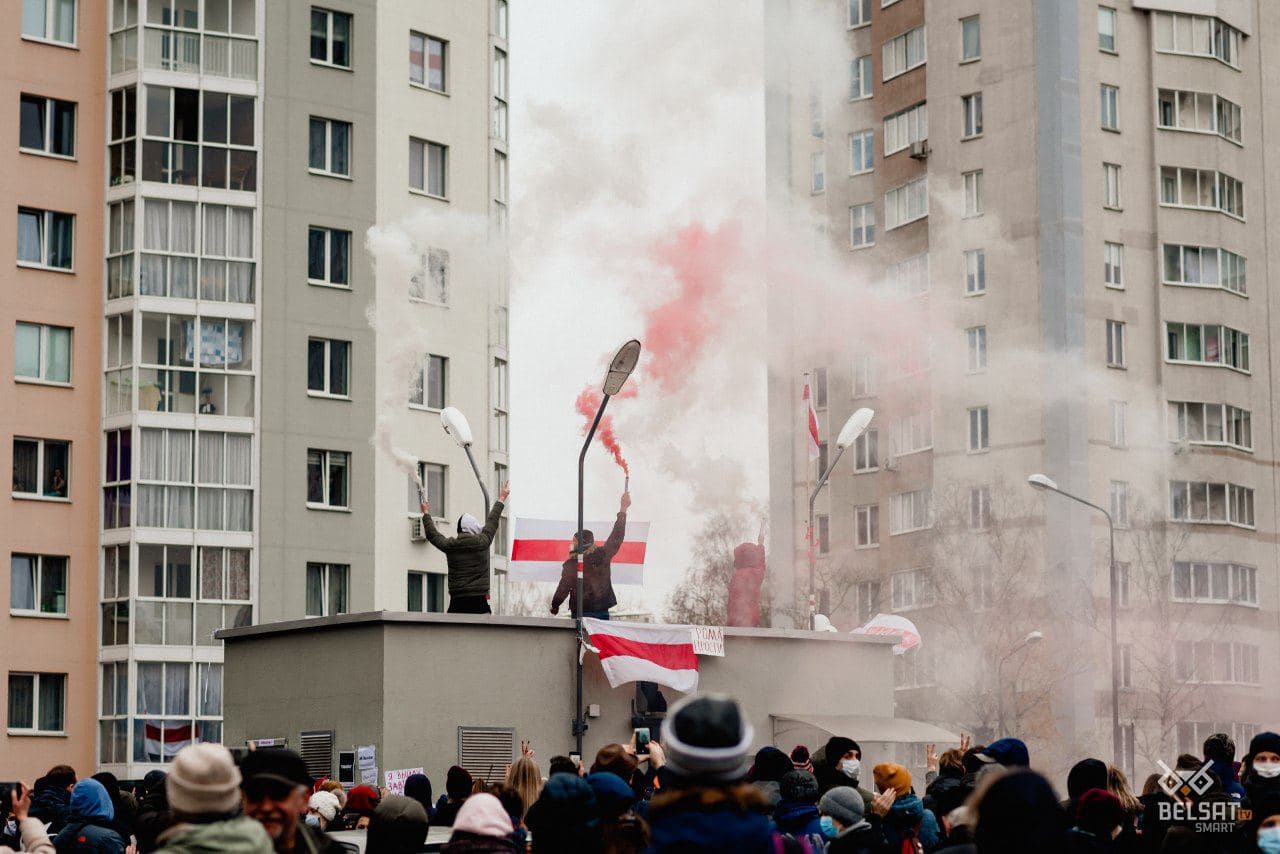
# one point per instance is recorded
(196, 378)
(1041, 239)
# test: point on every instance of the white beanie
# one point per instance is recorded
(325, 803)
(203, 780)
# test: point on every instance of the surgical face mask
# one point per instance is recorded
(829, 829)
(1267, 769)
(313, 819)
(1269, 840)
(850, 768)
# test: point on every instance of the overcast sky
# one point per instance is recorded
(629, 121)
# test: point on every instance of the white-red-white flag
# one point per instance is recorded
(540, 547)
(892, 625)
(163, 739)
(811, 421)
(644, 652)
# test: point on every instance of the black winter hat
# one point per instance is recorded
(1263, 742)
(706, 738)
(1085, 775)
(771, 764)
(457, 783)
(838, 746)
(799, 786)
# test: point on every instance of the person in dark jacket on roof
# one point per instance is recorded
(467, 555)
(597, 568)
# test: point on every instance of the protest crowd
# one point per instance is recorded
(701, 787)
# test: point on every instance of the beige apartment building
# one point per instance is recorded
(1039, 245)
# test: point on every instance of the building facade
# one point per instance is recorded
(212, 198)
(1031, 226)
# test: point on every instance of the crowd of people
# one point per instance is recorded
(699, 788)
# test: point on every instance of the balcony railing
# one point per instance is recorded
(191, 53)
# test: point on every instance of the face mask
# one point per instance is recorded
(829, 827)
(850, 768)
(1269, 840)
(1267, 769)
(313, 819)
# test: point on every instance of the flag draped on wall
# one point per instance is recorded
(642, 652)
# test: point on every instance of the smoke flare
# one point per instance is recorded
(587, 404)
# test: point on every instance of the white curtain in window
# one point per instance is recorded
(150, 679)
(180, 446)
(152, 454)
(182, 278)
(152, 275)
(213, 275)
(58, 354)
(155, 225)
(182, 228)
(211, 509)
(211, 466)
(181, 506)
(215, 231)
(239, 458)
(150, 509)
(239, 510)
(210, 688)
(240, 244)
(177, 625)
(240, 281)
(22, 574)
(177, 689)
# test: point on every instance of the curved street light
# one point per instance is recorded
(854, 427)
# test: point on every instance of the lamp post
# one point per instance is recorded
(849, 433)
(1032, 637)
(620, 368)
(1046, 483)
(455, 424)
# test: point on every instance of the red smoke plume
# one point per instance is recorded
(586, 405)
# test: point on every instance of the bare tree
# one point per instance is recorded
(702, 597)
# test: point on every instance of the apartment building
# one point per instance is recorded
(1046, 264)
(193, 420)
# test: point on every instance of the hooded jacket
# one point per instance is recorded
(49, 803)
(908, 819)
(239, 835)
(710, 819)
(565, 817)
(88, 830)
(744, 585)
(597, 574)
(466, 554)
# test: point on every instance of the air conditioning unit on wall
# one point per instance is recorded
(920, 150)
(417, 531)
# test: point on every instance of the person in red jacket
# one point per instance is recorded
(744, 586)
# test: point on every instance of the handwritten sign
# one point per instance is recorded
(708, 640)
(396, 779)
(365, 756)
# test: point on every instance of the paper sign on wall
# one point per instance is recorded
(395, 779)
(365, 756)
(708, 640)
(369, 776)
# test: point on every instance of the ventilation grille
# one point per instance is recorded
(486, 752)
(316, 748)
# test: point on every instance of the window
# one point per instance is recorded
(45, 239)
(971, 106)
(1207, 344)
(868, 600)
(1123, 581)
(862, 226)
(1210, 424)
(1109, 106)
(1203, 189)
(1198, 112)
(906, 127)
(1203, 266)
(430, 383)
(122, 153)
(903, 53)
(913, 669)
(979, 508)
(168, 264)
(40, 468)
(501, 404)
(1125, 665)
(860, 78)
(1113, 265)
(820, 388)
(861, 152)
(36, 702)
(823, 457)
(330, 38)
(975, 272)
(500, 177)
(1115, 344)
(327, 589)
(428, 162)
(328, 367)
(866, 524)
(120, 249)
(427, 61)
(914, 356)
(49, 20)
(910, 276)
(1107, 29)
(113, 737)
(329, 149)
(37, 584)
(859, 13)
(815, 110)
(328, 256)
(42, 353)
(500, 18)
(823, 533)
(909, 511)
(178, 120)
(970, 38)
(426, 592)
(912, 588)
(196, 364)
(1198, 36)
(1120, 503)
(327, 478)
(1111, 186)
(1211, 503)
(866, 454)
(864, 376)
(1119, 413)
(977, 338)
(434, 478)
(117, 496)
(226, 254)
(227, 156)
(1216, 661)
(47, 126)
(979, 436)
(817, 172)
(973, 193)
(907, 203)
(499, 83)
(430, 282)
(1226, 583)
(911, 433)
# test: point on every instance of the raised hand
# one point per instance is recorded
(526, 749)
(930, 757)
(964, 742)
(880, 803)
(504, 492)
(426, 507)
(626, 501)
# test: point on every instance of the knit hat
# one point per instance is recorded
(1099, 812)
(325, 803)
(468, 524)
(153, 782)
(844, 804)
(838, 746)
(398, 824)
(484, 815)
(799, 786)
(457, 783)
(1008, 752)
(613, 796)
(1263, 742)
(771, 764)
(1085, 775)
(418, 787)
(888, 775)
(706, 738)
(362, 800)
(89, 799)
(800, 758)
(566, 801)
(203, 780)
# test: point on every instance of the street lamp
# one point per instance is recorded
(1047, 484)
(455, 424)
(1032, 637)
(849, 433)
(620, 368)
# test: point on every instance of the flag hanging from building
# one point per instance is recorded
(642, 652)
(541, 546)
(811, 420)
(892, 625)
(163, 739)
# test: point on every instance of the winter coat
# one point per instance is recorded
(466, 554)
(709, 819)
(798, 818)
(446, 811)
(153, 819)
(83, 835)
(34, 839)
(51, 804)
(597, 579)
(744, 585)
(907, 819)
(473, 843)
(772, 791)
(947, 792)
(239, 835)
(862, 838)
